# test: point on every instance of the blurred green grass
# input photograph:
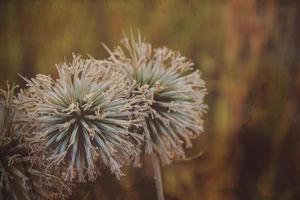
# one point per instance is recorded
(248, 53)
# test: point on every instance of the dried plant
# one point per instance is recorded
(173, 104)
(20, 178)
(82, 120)
(174, 95)
(100, 113)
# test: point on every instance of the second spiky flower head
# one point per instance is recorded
(174, 94)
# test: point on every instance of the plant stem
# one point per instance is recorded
(158, 177)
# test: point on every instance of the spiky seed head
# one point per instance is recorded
(83, 120)
(174, 94)
(19, 177)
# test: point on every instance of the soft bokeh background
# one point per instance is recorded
(248, 52)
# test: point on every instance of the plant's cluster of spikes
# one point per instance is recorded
(20, 178)
(98, 114)
(83, 119)
(173, 91)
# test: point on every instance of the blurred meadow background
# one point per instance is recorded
(248, 53)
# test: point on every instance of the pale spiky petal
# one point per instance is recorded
(83, 120)
(19, 177)
(174, 95)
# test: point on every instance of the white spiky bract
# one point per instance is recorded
(83, 120)
(174, 93)
(20, 179)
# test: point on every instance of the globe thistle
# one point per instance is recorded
(174, 94)
(83, 119)
(19, 177)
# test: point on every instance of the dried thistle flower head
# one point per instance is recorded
(174, 94)
(83, 120)
(19, 178)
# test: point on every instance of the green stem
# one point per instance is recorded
(158, 177)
